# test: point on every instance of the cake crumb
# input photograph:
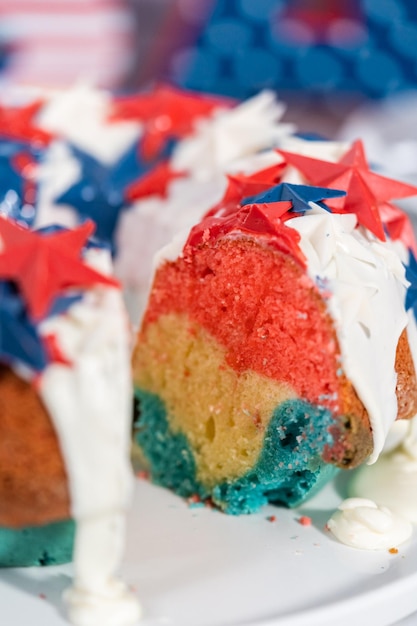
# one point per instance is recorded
(195, 501)
(304, 520)
(393, 550)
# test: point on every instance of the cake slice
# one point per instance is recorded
(65, 414)
(273, 351)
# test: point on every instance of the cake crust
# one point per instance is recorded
(33, 481)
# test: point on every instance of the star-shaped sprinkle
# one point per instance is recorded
(365, 189)
(155, 182)
(167, 114)
(398, 225)
(300, 196)
(99, 194)
(242, 185)
(411, 276)
(19, 337)
(17, 180)
(254, 219)
(239, 186)
(18, 123)
(45, 265)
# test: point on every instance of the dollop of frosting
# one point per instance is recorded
(113, 606)
(361, 523)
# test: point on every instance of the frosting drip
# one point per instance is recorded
(90, 402)
(360, 523)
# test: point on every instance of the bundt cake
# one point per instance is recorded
(65, 414)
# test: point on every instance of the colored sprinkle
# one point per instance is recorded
(271, 518)
(42, 596)
(304, 520)
(142, 474)
(393, 550)
(195, 501)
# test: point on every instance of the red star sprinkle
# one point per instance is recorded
(167, 113)
(263, 218)
(365, 190)
(17, 123)
(44, 265)
(398, 225)
(241, 186)
(253, 219)
(153, 183)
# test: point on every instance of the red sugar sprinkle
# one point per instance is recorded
(143, 474)
(304, 520)
(42, 596)
(194, 499)
(271, 518)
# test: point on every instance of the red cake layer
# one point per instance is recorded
(259, 304)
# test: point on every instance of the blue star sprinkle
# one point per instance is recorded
(99, 193)
(19, 338)
(411, 276)
(14, 186)
(298, 195)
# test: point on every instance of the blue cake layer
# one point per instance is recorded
(289, 470)
(43, 545)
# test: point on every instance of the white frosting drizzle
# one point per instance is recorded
(90, 405)
(364, 281)
(360, 523)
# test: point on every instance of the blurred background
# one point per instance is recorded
(344, 67)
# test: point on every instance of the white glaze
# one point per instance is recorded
(360, 523)
(90, 406)
(365, 290)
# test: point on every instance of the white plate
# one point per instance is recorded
(198, 567)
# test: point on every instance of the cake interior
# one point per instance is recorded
(238, 378)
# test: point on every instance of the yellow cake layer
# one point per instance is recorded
(224, 414)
